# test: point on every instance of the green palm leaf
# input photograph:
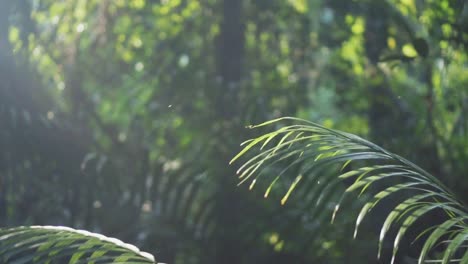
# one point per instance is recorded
(52, 244)
(303, 148)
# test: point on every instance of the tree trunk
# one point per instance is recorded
(229, 58)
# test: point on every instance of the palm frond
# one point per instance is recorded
(304, 148)
(52, 244)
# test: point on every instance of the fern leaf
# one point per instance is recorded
(54, 244)
(306, 148)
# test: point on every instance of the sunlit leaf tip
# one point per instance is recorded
(291, 188)
(252, 184)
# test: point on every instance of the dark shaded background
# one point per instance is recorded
(120, 117)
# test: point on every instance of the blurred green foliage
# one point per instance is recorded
(120, 117)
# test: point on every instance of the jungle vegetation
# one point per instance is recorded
(120, 117)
